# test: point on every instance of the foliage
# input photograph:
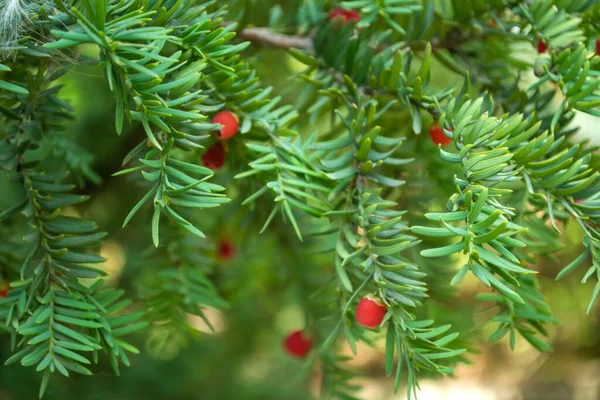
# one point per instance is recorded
(340, 168)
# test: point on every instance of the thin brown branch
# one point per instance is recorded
(268, 37)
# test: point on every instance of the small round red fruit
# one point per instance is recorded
(370, 312)
(297, 345)
(225, 250)
(598, 45)
(4, 288)
(214, 157)
(346, 15)
(541, 46)
(230, 124)
(437, 135)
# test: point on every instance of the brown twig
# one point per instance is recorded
(268, 37)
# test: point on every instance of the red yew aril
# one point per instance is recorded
(225, 250)
(370, 312)
(297, 345)
(541, 46)
(437, 135)
(230, 124)
(4, 288)
(346, 15)
(214, 157)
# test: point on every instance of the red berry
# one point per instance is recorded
(225, 250)
(214, 157)
(4, 288)
(297, 345)
(437, 135)
(370, 312)
(598, 46)
(346, 15)
(230, 124)
(541, 46)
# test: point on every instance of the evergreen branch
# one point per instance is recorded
(290, 173)
(516, 317)
(176, 183)
(56, 316)
(76, 159)
(372, 236)
(485, 145)
(179, 288)
(377, 69)
(556, 172)
(328, 319)
(161, 87)
(573, 72)
(509, 154)
(170, 64)
(554, 26)
(483, 161)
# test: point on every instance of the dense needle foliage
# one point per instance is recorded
(343, 168)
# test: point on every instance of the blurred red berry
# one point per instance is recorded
(4, 288)
(230, 124)
(598, 46)
(541, 46)
(346, 15)
(297, 345)
(437, 135)
(225, 250)
(370, 312)
(214, 157)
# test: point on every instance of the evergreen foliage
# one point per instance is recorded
(513, 177)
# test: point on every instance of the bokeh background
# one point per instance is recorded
(243, 357)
